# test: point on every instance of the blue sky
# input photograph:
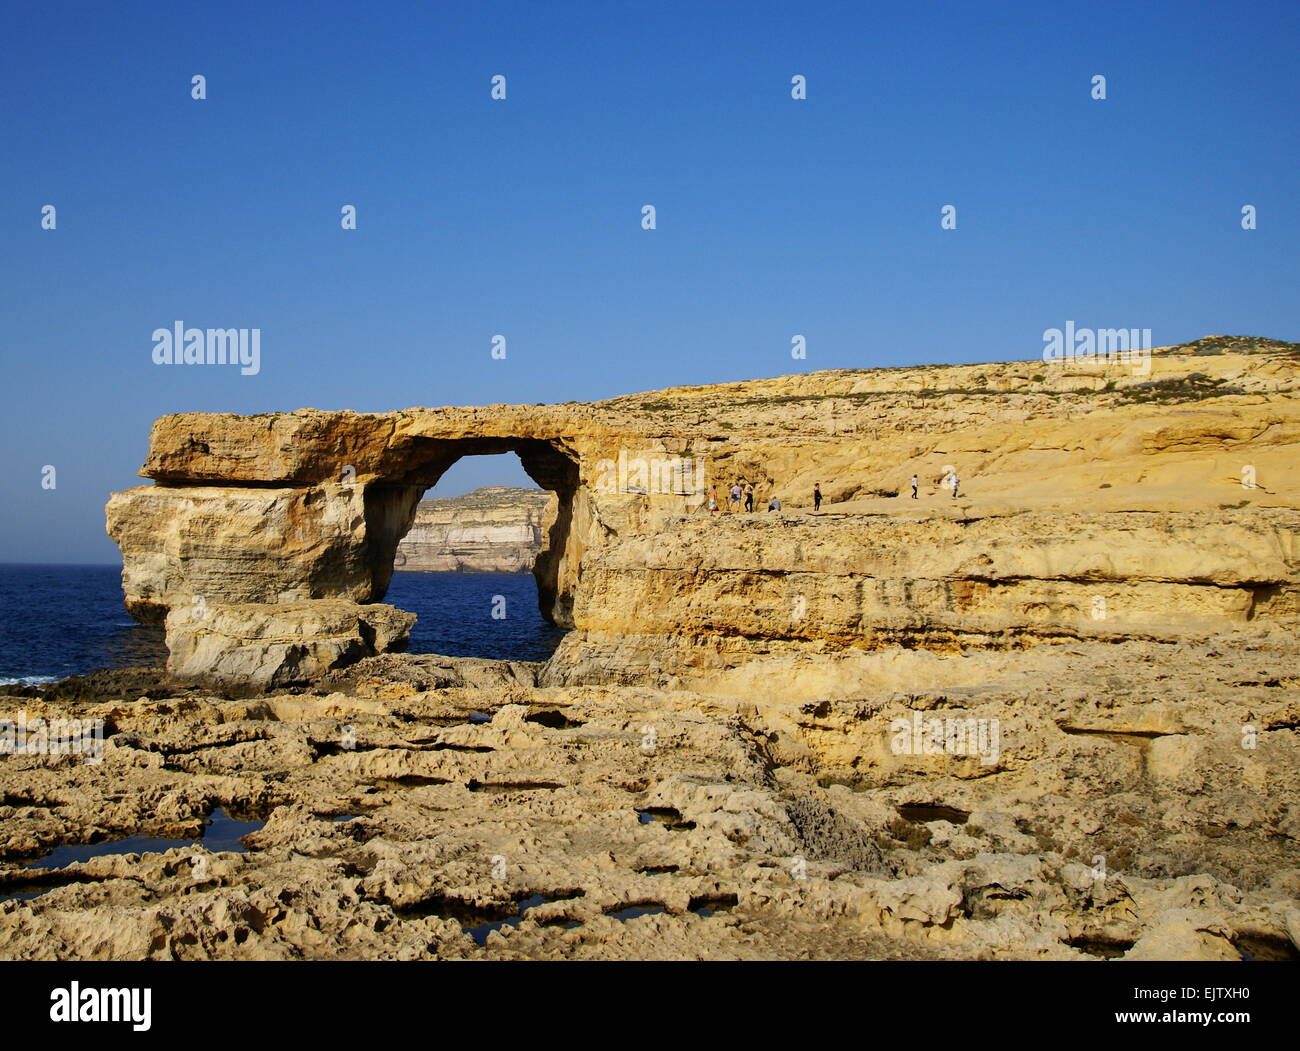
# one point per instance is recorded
(522, 217)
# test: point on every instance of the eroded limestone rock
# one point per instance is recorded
(1093, 502)
(404, 818)
(495, 529)
(257, 644)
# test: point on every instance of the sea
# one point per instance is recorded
(60, 620)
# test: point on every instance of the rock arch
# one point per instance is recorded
(286, 508)
(390, 509)
(273, 511)
(322, 522)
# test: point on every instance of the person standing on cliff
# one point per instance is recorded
(817, 496)
(713, 499)
(914, 485)
(749, 496)
(954, 485)
(734, 503)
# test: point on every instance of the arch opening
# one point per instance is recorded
(471, 602)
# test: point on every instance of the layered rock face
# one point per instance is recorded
(704, 595)
(1092, 498)
(265, 646)
(495, 529)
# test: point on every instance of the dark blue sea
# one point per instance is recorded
(63, 620)
(455, 615)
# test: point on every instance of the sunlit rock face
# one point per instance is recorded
(269, 645)
(1093, 502)
(1052, 716)
(495, 529)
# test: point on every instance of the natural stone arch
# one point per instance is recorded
(303, 512)
(307, 505)
(390, 508)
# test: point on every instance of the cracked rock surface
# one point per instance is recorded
(1142, 802)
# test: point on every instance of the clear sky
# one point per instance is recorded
(522, 217)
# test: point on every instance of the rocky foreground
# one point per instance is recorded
(1055, 716)
(1142, 804)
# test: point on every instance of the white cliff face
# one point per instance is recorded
(491, 530)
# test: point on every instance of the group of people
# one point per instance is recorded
(741, 491)
(744, 492)
(949, 481)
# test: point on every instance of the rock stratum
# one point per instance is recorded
(495, 529)
(1055, 716)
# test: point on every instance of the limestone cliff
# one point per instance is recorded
(1053, 716)
(495, 529)
(1091, 499)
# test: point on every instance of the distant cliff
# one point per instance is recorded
(495, 529)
